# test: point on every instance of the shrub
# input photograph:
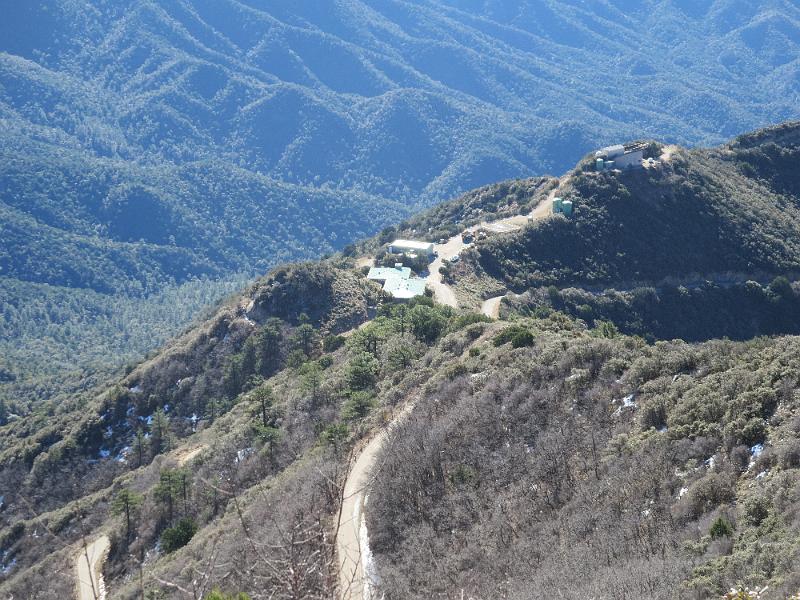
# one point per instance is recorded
(790, 455)
(755, 510)
(335, 434)
(473, 352)
(217, 595)
(178, 536)
(720, 528)
(331, 343)
(522, 339)
(654, 415)
(516, 334)
(456, 370)
(462, 321)
(358, 406)
(709, 492)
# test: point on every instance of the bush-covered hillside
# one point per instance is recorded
(695, 313)
(537, 453)
(548, 450)
(584, 466)
(701, 214)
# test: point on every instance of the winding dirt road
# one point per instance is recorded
(357, 574)
(442, 292)
(444, 252)
(89, 567)
(352, 546)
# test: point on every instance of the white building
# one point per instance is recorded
(411, 247)
(620, 157)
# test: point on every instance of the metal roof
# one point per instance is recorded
(386, 273)
(402, 289)
(611, 151)
(412, 244)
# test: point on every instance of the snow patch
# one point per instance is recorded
(122, 455)
(371, 579)
(243, 454)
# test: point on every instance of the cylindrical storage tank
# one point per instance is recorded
(609, 164)
(600, 164)
(566, 207)
(556, 205)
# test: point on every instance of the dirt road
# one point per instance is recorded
(357, 573)
(491, 307)
(352, 545)
(443, 292)
(88, 569)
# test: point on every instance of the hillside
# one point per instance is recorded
(546, 448)
(149, 147)
(726, 214)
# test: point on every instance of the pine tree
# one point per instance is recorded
(139, 447)
(3, 412)
(159, 433)
(126, 503)
(268, 347)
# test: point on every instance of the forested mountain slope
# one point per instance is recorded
(145, 143)
(543, 448)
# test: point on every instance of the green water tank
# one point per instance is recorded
(566, 207)
(557, 205)
(600, 164)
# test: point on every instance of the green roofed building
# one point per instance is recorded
(404, 289)
(398, 282)
(382, 274)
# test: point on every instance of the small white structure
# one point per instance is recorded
(411, 247)
(620, 157)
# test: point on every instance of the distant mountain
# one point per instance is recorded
(146, 143)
